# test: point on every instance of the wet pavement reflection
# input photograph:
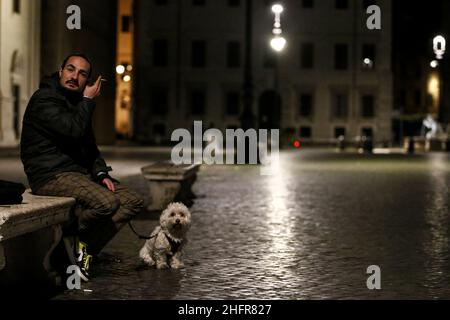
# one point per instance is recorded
(308, 232)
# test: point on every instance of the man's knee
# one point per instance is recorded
(108, 206)
(137, 203)
(132, 201)
(134, 207)
(130, 208)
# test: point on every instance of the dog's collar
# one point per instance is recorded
(170, 236)
(174, 244)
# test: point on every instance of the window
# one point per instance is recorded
(339, 131)
(367, 132)
(126, 23)
(198, 2)
(368, 56)
(16, 6)
(402, 99)
(368, 106)
(403, 70)
(341, 56)
(339, 106)
(161, 2)
(341, 4)
(197, 102)
(234, 3)
(290, 132)
(159, 129)
(368, 3)
(307, 4)
(269, 59)
(306, 105)
(233, 103)
(198, 58)
(160, 53)
(305, 132)
(418, 70)
(159, 101)
(417, 97)
(307, 55)
(233, 54)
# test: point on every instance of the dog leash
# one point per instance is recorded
(138, 235)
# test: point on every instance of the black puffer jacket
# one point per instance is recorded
(57, 135)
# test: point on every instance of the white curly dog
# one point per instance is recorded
(165, 246)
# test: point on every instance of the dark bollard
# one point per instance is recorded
(341, 143)
(447, 145)
(367, 144)
(410, 145)
(370, 145)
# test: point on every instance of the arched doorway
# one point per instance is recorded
(269, 115)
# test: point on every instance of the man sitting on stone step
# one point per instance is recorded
(61, 158)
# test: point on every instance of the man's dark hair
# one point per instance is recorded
(81, 55)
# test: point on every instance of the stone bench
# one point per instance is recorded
(29, 232)
(168, 182)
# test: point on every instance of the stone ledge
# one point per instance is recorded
(29, 233)
(35, 213)
(168, 171)
(168, 182)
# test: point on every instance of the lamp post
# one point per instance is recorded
(247, 118)
(439, 47)
(278, 43)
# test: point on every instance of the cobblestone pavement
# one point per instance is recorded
(308, 232)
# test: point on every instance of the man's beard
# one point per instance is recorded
(75, 83)
(73, 95)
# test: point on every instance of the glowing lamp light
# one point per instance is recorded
(127, 78)
(296, 144)
(433, 86)
(277, 8)
(439, 44)
(276, 31)
(367, 63)
(278, 43)
(120, 69)
(434, 64)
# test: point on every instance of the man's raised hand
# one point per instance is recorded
(93, 91)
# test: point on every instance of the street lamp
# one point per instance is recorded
(120, 69)
(124, 71)
(439, 48)
(278, 43)
(439, 44)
